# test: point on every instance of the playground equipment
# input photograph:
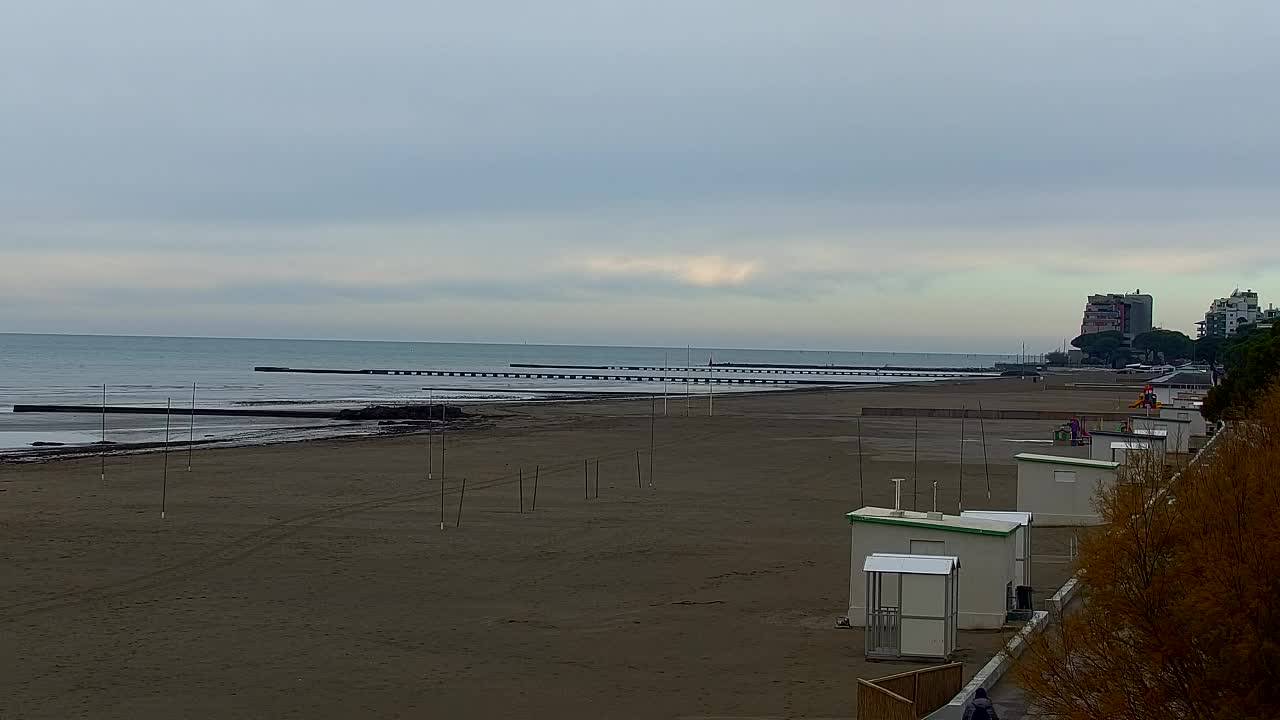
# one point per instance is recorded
(1147, 399)
(1072, 433)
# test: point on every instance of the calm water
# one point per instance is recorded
(71, 369)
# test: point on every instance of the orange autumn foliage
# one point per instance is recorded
(1181, 602)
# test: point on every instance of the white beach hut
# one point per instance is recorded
(1118, 446)
(1198, 426)
(1021, 539)
(1060, 490)
(986, 550)
(1176, 433)
(911, 606)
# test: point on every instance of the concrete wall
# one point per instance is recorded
(1053, 502)
(987, 566)
(1177, 434)
(1199, 426)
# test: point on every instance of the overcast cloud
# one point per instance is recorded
(844, 175)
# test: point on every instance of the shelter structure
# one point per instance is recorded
(1117, 446)
(1021, 539)
(986, 549)
(1060, 490)
(1176, 433)
(911, 603)
(1199, 426)
(1181, 387)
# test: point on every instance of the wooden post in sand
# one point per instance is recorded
(586, 483)
(861, 501)
(652, 420)
(102, 457)
(191, 434)
(536, 472)
(164, 481)
(639, 482)
(915, 464)
(597, 478)
(521, 486)
(461, 498)
(986, 466)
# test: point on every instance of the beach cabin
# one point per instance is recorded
(911, 606)
(1181, 387)
(1021, 539)
(986, 550)
(1176, 433)
(1117, 446)
(1199, 426)
(1060, 490)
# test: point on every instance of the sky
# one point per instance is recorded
(809, 174)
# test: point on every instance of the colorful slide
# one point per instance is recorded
(1147, 399)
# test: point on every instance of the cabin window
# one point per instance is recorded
(1064, 476)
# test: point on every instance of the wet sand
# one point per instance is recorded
(313, 580)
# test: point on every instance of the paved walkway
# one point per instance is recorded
(1011, 703)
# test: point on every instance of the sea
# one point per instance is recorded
(160, 371)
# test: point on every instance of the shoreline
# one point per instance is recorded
(700, 576)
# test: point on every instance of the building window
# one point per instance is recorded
(1064, 476)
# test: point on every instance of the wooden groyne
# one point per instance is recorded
(560, 376)
(837, 370)
(376, 412)
(994, 414)
(216, 412)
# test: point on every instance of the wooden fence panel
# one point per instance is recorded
(936, 686)
(876, 703)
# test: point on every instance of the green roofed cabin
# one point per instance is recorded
(1060, 490)
(986, 548)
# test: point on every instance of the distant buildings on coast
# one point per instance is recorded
(1227, 315)
(1127, 313)
(1130, 314)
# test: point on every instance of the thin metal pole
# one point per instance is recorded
(191, 435)
(861, 501)
(652, 413)
(521, 491)
(586, 482)
(537, 470)
(442, 464)
(960, 497)
(915, 466)
(102, 466)
(711, 384)
(986, 466)
(461, 498)
(665, 362)
(597, 478)
(164, 481)
(688, 372)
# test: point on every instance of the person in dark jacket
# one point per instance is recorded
(980, 707)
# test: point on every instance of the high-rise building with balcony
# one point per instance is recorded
(1129, 314)
(1226, 315)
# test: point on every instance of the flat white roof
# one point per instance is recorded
(1014, 516)
(911, 564)
(953, 523)
(1060, 460)
(1156, 432)
(1131, 445)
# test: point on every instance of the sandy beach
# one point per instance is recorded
(312, 580)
